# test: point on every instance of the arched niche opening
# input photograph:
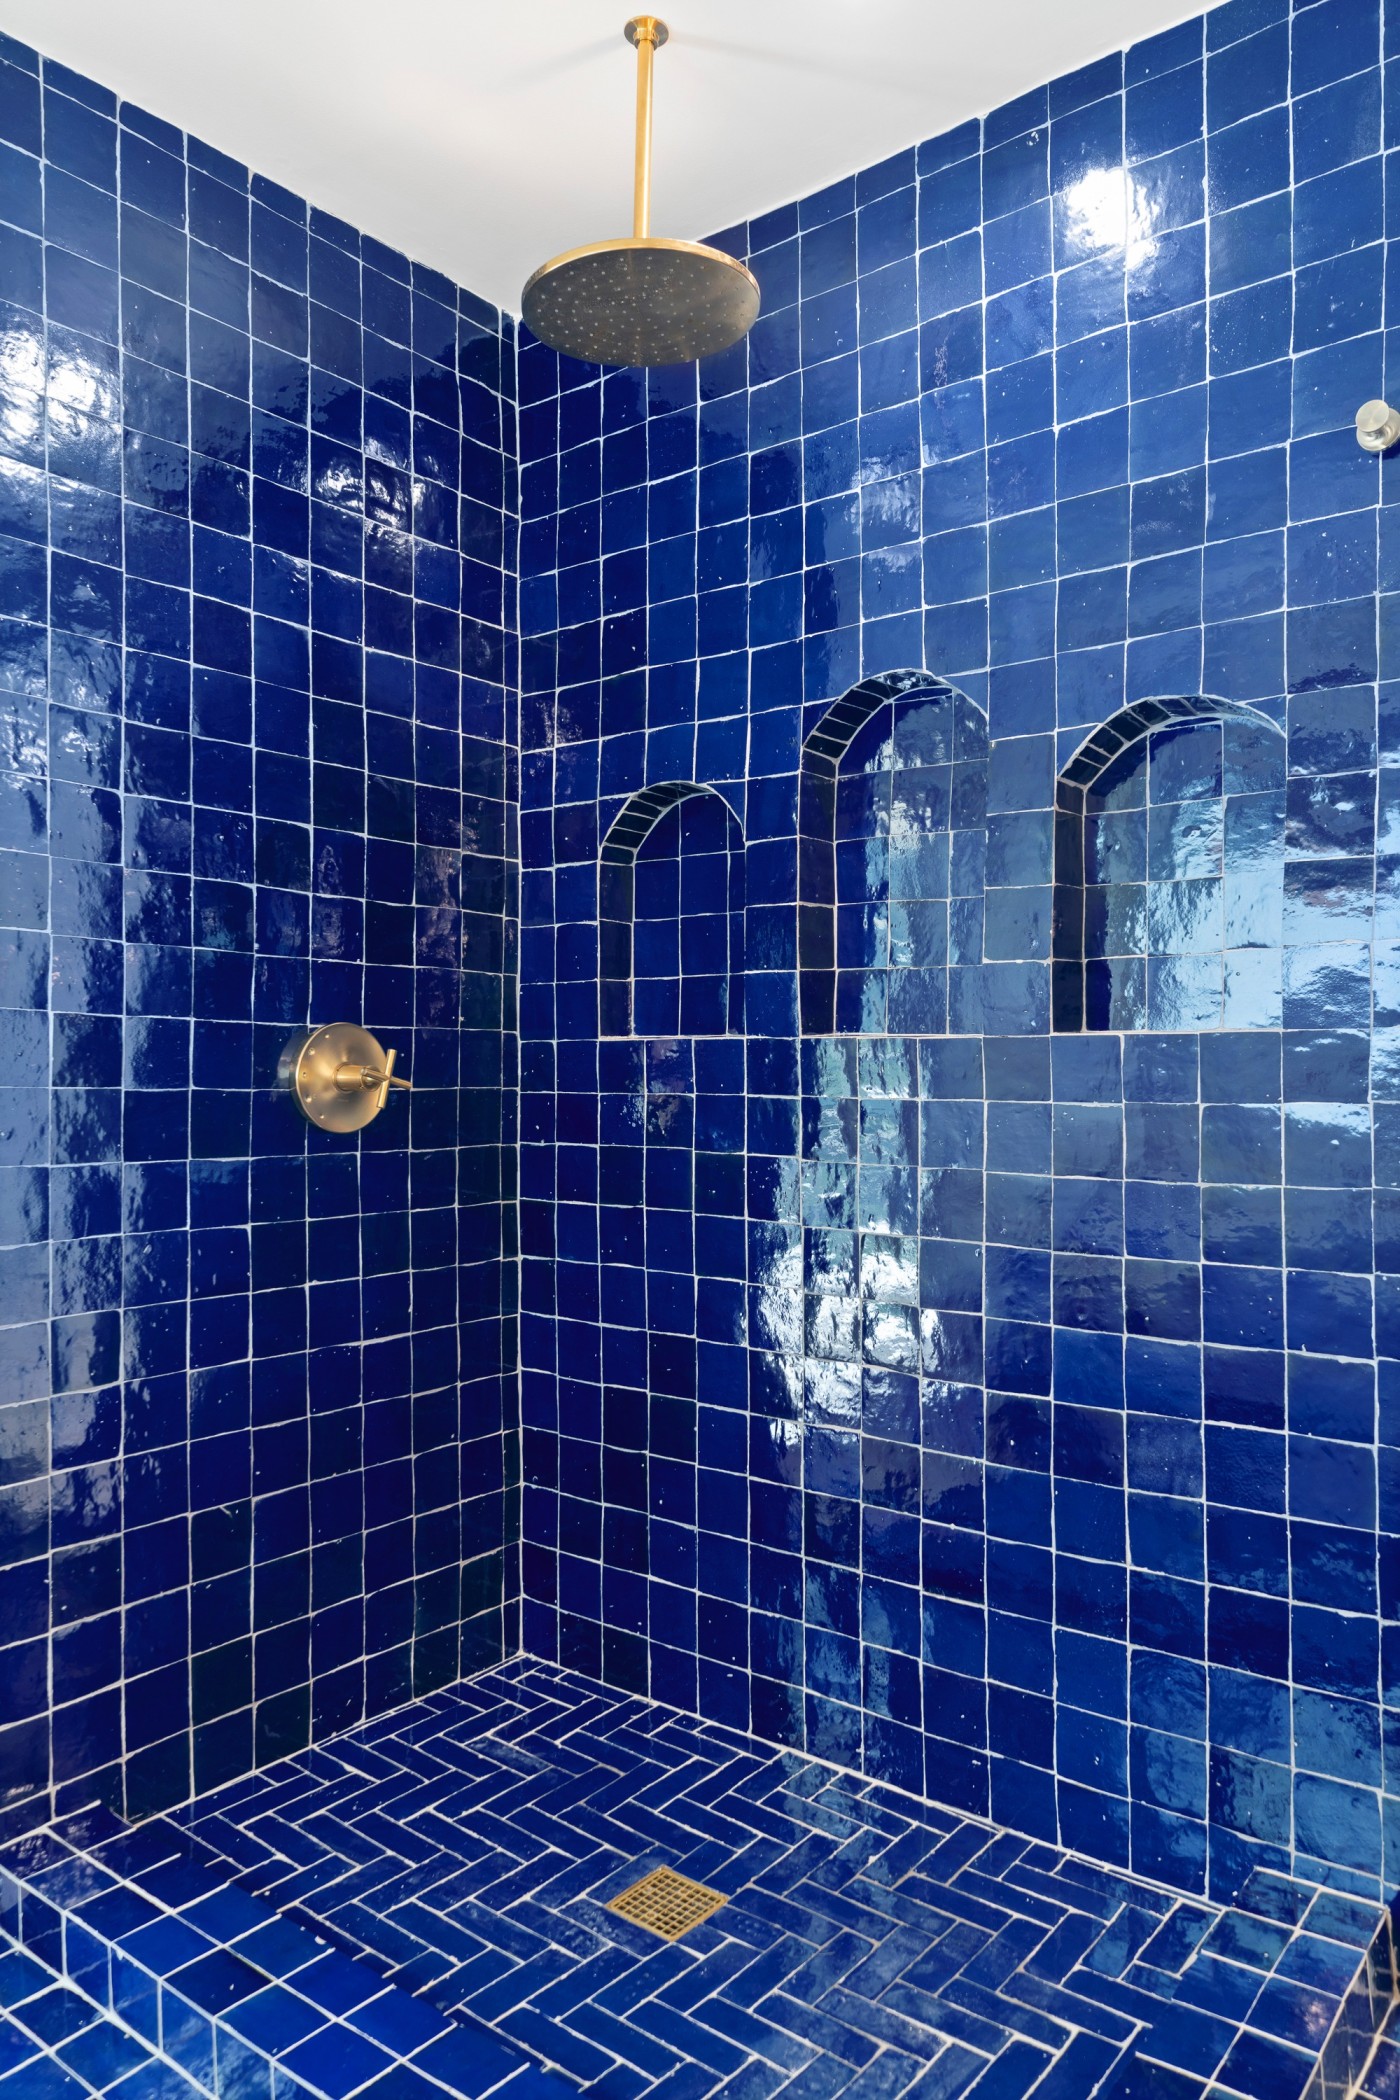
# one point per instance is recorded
(671, 915)
(892, 804)
(1169, 862)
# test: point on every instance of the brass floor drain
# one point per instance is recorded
(667, 1903)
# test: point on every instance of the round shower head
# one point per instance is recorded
(639, 299)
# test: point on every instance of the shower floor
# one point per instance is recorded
(466, 1846)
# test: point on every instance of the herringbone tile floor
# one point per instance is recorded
(870, 1947)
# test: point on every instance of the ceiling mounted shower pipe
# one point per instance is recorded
(646, 33)
(641, 299)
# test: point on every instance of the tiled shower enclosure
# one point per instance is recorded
(977, 1372)
(865, 1370)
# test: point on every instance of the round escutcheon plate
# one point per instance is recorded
(313, 1069)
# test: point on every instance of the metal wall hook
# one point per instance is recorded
(338, 1076)
(1377, 426)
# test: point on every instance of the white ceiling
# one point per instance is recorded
(483, 136)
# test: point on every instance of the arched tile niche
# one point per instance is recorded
(1169, 871)
(671, 915)
(892, 804)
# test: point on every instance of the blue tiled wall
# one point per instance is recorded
(257, 655)
(1011, 1414)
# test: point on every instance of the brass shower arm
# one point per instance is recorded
(646, 34)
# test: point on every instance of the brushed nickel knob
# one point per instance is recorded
(1377, 426)
(338, 1076)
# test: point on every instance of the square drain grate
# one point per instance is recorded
(667, 1903)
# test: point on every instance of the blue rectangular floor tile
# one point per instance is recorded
(425, 1899)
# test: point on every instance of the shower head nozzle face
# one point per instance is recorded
(641, 302)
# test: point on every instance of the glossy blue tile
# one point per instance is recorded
(164, 1303)
(982, 661)
(1197, 872)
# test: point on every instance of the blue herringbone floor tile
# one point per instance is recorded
(870, 1948)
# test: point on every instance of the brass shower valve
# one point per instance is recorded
(339, 1076)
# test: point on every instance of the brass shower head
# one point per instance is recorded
(641, 299)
